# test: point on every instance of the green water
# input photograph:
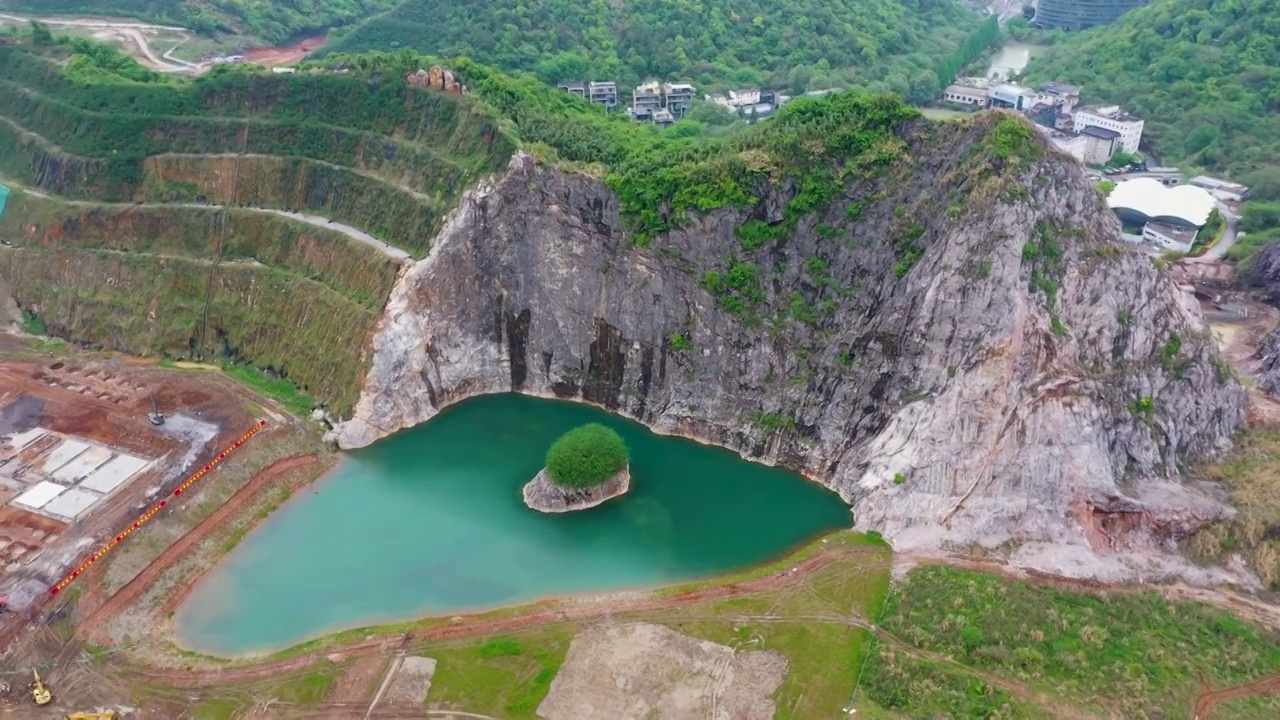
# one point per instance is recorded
(431, 521)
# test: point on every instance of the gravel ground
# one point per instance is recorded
(641, 671)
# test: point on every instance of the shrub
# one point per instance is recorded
(586, 456)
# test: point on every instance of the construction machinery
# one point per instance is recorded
(96, 715)
(155, 417)
(39, 692)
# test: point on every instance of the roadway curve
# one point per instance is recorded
(133, 31)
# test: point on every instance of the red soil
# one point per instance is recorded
(285, 54)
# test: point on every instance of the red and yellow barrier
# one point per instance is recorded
(151, 513)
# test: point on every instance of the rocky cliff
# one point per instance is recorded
(1023, 383)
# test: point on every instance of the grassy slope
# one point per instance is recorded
(1252, 476)
(390, 160)
(135, 278)
(1203, 73)
(1125, 654)
(954, 644)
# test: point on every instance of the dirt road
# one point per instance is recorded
(130, 33)
(1209, 699)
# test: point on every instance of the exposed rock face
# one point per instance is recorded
(1045, 424)
(438, 78)
(1263, 274)
(544, 495)
(1268, 368)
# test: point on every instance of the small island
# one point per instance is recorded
(585, 467)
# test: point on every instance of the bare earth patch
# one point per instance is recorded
(643, 670)
(412, 681)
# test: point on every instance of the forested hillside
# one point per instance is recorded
(796, 44)
(1204, 73)
(271, 21)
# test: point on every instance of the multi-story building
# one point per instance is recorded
(646, 97)
(1080, 14)
(574, 88)
(603, 93)
(678, 97)
(1062, 96)
(1010, 96)
(1112, 117)
(966, 95)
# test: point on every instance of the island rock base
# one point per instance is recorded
(543, 495)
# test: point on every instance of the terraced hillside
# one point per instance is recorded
(123, 177)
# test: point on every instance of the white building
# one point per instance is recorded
(965, 95)
(1145, 200)
(1112, 117)
(1169, 237)
(1221, 189)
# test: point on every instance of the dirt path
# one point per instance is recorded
(134, 589)
(565, 611)
(314, 220)
(130, 32)
(1209, 699)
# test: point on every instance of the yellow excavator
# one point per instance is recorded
(99, 715)
(39, 692)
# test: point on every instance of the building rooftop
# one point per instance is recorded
(1180, 234)
(1152, 200)
(969, 90)
(1100, 132)
(1058, 88)
(1109, 111)
(1216, 184)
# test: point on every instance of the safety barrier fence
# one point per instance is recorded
(152, 512)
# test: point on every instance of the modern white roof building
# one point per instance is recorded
(1143, 200)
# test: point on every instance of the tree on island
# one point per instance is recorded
(586, 456)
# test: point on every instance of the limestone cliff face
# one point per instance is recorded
(967, 401)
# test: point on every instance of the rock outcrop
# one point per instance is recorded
(545, 495)
(1029, 385)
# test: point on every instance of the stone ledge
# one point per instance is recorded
(543, 495)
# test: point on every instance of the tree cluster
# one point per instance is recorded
(586, 456)
(794, 45)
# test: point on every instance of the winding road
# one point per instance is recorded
(129, 31)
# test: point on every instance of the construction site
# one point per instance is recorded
(90, 449)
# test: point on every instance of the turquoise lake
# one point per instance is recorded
(430, 521)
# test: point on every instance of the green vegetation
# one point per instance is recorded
(329, 138)
(270, 22)
(973, 46)
(796, 45)
(1204, 75)
(1045, 256)
(1259, 227)
(508, 675)
(586, 456)
(504, 675)
(1126, 654)
(86, 270)
(1252, 476)
(287, 393)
